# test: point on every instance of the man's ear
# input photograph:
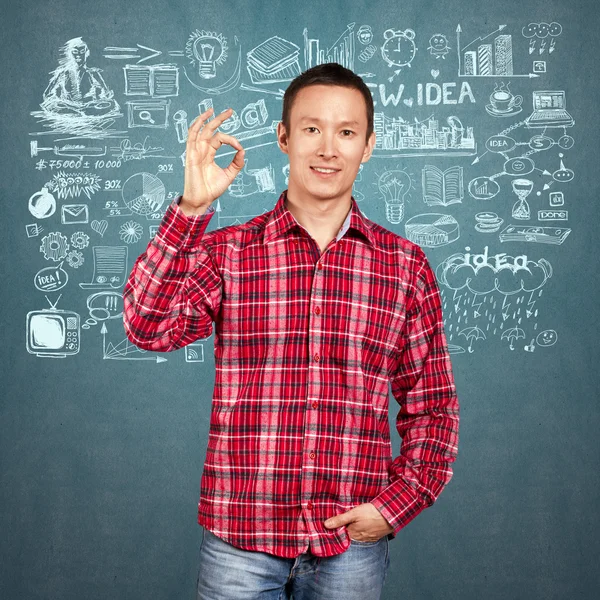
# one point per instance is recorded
(282, 137)
(369, 148)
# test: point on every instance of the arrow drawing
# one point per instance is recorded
(121, 53)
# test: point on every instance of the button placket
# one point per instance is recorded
(311, 417)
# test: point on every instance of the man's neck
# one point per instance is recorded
(322, 218)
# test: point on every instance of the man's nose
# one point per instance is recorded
(328, 145)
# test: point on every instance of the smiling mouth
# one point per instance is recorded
(325, 171)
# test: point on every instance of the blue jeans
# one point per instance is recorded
(229, 573)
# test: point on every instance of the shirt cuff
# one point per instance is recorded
(399, 503)
(180, 231)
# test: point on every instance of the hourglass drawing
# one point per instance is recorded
(522, 188)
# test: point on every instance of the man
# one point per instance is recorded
(317, 310)
(76, 89)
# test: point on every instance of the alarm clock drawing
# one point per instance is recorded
(399, 48)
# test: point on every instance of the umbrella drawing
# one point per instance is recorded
(472, 333)
(512, 334)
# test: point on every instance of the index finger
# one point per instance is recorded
(199, 121)
(212, 125)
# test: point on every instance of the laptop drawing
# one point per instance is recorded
(549, 110)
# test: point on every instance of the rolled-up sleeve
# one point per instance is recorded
(173, 293)
(423, 384)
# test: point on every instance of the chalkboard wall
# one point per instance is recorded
(486, 118)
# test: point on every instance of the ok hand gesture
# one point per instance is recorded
(204, 180)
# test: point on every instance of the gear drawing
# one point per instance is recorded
(75, 259)
(80, 240)
(54, 246)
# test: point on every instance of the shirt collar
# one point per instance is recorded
(281, 220)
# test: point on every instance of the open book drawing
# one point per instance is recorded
(442, 187)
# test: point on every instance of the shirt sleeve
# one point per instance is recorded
(423, 385)
(174, 290)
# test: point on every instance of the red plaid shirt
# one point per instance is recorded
(306, 346)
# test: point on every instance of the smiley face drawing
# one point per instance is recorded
(547, 338)
(438, 45)
(364, 34)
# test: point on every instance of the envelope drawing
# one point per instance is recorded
(72, 214)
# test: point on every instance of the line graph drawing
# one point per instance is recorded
(125, 350)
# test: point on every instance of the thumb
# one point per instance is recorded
(237, 164)
(340, 520)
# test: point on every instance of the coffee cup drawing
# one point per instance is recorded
(503, 101)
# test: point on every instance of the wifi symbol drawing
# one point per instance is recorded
(194, 353)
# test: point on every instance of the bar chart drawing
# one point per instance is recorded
(342, 50)
(487, 58)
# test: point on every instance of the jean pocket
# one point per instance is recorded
(361, 543)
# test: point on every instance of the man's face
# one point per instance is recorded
(78, 54)
(328, 127)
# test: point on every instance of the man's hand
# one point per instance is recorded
(365, 523)
(204, 180)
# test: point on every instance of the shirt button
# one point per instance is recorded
(315, 404)
(296, 242)
(317, 311)
(309, 505)
(320, 266)
(312, 454)
(181, 228)
(317, 358)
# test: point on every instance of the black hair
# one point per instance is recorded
(327, 74)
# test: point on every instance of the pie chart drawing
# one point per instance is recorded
(432, 230)
(143, 193)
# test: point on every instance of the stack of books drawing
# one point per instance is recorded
(274, 60)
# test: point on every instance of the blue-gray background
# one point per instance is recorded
(101, 459)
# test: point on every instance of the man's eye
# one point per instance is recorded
(348, 131)
(309, 128)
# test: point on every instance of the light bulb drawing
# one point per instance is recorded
(394, 187)
(206, 49)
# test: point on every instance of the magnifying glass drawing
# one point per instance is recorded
(145, 115)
